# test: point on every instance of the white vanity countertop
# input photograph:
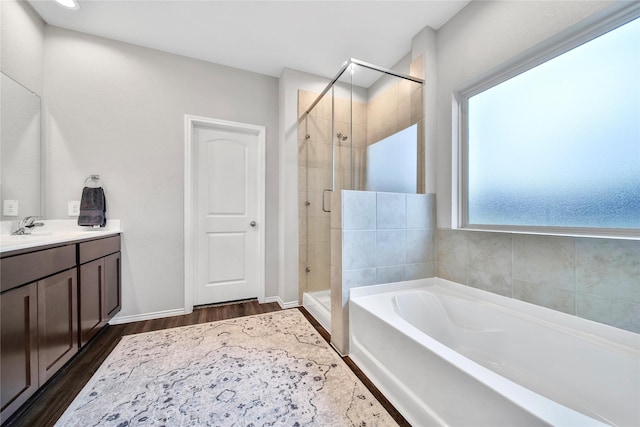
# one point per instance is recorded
(54, 231)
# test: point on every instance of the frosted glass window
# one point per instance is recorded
(392, 163)
(559, 144)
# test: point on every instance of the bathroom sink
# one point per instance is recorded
(26, 236)
(21, 237)
(54, 232)
(38, 233)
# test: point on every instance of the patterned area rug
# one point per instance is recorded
(266, 370)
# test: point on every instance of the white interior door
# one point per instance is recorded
(229, 188)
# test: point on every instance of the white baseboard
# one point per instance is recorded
(118, 320)
(283, 305)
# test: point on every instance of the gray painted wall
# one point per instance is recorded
(117, 110)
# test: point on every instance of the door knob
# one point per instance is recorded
(253, 223)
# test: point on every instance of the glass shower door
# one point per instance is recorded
(315, 183)
(358, 110)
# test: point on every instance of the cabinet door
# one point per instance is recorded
(18, 347)
(57, 322)
(111, 286)
(91, 299)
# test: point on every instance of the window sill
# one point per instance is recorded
(621, 234)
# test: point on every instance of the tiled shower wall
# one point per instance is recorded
(377, 238)
(592, 278)
(396, 108)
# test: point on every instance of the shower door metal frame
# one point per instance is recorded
(364, 64)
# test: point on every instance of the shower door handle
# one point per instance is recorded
(323, 199)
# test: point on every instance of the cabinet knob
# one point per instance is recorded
(253, 223)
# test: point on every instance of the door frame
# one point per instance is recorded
(191, 200)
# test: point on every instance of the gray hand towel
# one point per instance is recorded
(93, 206)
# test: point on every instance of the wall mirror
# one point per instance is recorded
(19, 148)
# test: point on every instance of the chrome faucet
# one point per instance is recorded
(26, 225)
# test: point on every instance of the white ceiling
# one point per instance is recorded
(261, 36)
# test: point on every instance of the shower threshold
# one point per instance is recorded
(318, 304)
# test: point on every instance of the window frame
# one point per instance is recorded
(555, 46)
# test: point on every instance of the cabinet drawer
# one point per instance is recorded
(95, 249)
(20, 269)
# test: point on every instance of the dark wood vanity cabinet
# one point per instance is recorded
(39, 321)
(18, 347)
(99, 285)
(53, 301)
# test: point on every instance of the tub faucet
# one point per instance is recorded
(26, 225)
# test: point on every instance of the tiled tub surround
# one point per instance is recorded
(377, 238)
(593, 278)
(471, 357)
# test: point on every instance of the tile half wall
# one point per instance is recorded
(377, 238)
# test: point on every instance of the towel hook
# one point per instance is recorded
(93, 181)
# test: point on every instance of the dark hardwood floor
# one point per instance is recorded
(50, 402)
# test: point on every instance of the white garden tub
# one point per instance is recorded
(448, 354)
